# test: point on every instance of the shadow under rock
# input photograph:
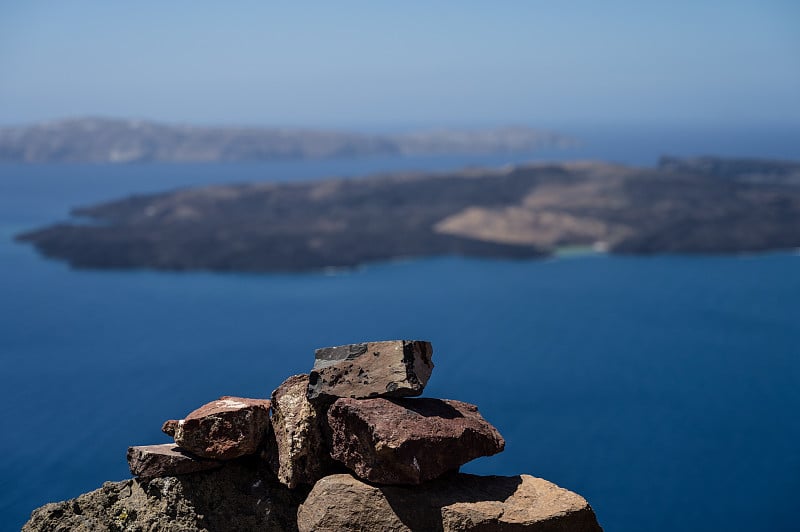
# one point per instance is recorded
(428, 407)
(448, 489)
(242, 495)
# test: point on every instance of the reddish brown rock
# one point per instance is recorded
(453, 503)
(224, 429)
(165, 460)
(397, 368)
(300, 455)
(408, 441)
(170, 426)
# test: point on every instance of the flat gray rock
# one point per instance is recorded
(167, 460)
(396, 368)
(454, 503)
(408, 441)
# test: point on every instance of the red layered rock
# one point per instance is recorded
(408, 441)
(224, 429)
(165, 460)
(300, 455)
(397, 368)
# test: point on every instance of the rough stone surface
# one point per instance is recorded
(242, 496)
(300, 455)
(454, 503)
(408, 441)
(397, 368)
(165, 461)
(170, 426)
(224, 429)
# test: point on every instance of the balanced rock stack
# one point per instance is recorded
(346, 447)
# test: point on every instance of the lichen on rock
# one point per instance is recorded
(296, 447)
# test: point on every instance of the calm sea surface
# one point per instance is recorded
(665, 390)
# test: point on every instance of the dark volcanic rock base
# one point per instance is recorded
(408, 441)
(455, 503)
(242, 496)
(165, 461)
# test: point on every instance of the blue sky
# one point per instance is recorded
(382, 64)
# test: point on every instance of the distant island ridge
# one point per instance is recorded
(699, 205)
(106, 140)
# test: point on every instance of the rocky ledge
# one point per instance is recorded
(683, 206)
(350, 451)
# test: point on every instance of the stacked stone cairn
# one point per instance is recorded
(373, 456)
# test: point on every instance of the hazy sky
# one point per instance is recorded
(377, 64)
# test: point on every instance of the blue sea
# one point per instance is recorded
(665, 390)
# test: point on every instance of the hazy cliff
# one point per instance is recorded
(98, 140)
